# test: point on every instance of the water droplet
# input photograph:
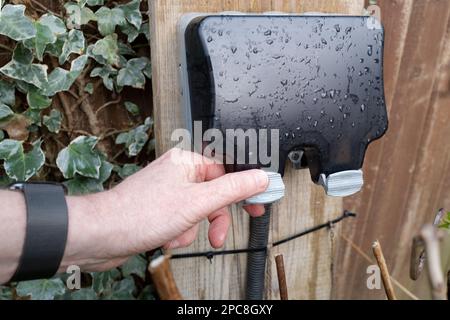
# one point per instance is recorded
(353, 124)
(341, 108)
(323, 95)
(255, 50)
(298, 128)
(236, 78)
(361, 60)
(232, 100)
(348, 30)
(269, 41)
(278, 114)
(209, 39)
(315, 123)
(337, 28)
(331, 120)
(220, 32)
(315, 100)
(324, 41)
(309, 118)
(366, 70)
(268, 33)
(377, 61)
(369, 50)
(233, 49)
(249, 67)
(332, 92)
(284, 82)
(245, 107)
(363, 107)
(286, 135)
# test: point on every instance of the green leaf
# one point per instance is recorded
(106, 50)
(108, 19)
(61, 80)
(53, 121)
(21, 68)
(148, 293)
(80, 157)
(2, 135)
(55, 24)
(34, 116)
(133, 74)
(14, 24)
(55, 49)
(79, 186)
(5, 293)
(84, 294)
(7, 93)
(89, 88)
(19, 165)
(122, 290)
(74, 43)
(135, 265)
(5, 111)
(37, 101)
(95, 2)
(107, 73)
(132, 108)
(78, 15)
(445, 224)
(127, 170)
(130, 31)
(135, 139)
(126, 50)
(46, 289)
(133, 13)
(145, 29)
(102, 282)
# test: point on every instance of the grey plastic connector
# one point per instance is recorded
(342, 184)
(273, 193)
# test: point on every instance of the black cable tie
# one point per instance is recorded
(211, 254)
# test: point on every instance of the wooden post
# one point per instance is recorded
(305, 204)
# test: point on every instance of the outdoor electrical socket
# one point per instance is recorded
(316, 78)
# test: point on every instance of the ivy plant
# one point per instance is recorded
(56, 63)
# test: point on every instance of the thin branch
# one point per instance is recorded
(282, 284)
(43, 7)
(378, 253)
(107, 105)
(5, 47)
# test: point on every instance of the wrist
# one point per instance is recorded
(88, 233)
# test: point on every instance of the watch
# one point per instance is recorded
(46, 230)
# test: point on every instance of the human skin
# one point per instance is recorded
(161, 205)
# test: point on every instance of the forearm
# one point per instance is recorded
(87, 234)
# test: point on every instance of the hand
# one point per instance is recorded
(162, 205)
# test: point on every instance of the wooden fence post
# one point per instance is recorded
(308, 262)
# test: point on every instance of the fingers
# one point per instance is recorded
(185, 240)
(255, 210)
(228, 189)
(218, 229)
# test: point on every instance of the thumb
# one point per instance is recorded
(232, 188)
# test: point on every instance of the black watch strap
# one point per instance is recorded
(46, 230)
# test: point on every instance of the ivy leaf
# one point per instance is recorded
(135, 139)
(107, 73)
(145, 30)
(80, 157)
(133, 74)
(78, 15)
(89, 88)
(48, 28)
(19, 165)
(108, 19)
(2, 135)
(46, 289)
(53, 121)
(74, 43)
(102, 281)
(61, 80)
(95, 2)
(16, 126)
(126, 50)
(79, 186)
(106, 50)
(132, 108)
(34, 117)
(122, 290)
(135, 265)
(5, 293)
(5, 111)
(82, 185)
(37, 101)
(55, 49)
(133, 13)
(14, 24)
(7, 93)
(84, 294)
(127, 170)
(130, 31)
(22, 68)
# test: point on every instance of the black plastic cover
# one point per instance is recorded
(318, 79)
